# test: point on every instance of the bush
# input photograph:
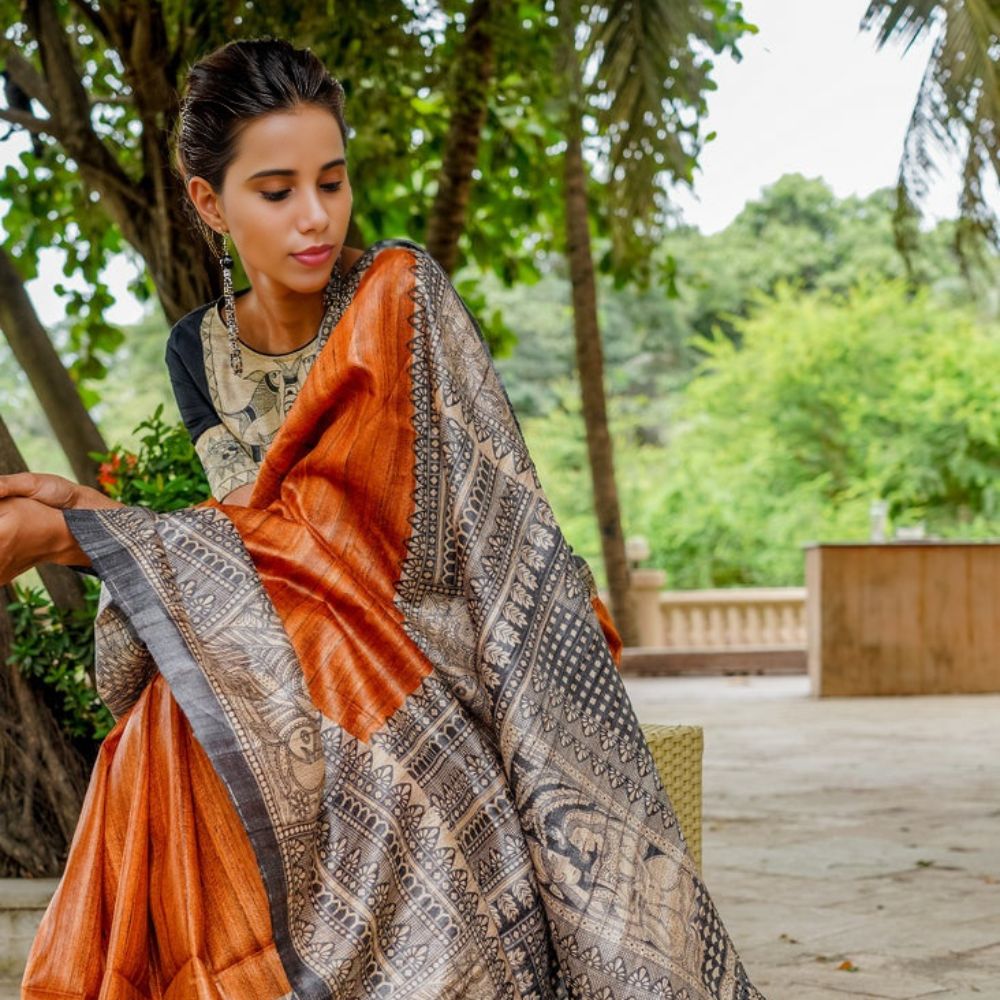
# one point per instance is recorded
(57, 648)
(165, 474)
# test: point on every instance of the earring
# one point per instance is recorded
(229, 308)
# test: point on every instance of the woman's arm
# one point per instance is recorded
(32, 527)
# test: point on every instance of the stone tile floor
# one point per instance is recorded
(848, 830)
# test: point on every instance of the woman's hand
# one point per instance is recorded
(54, 491)
(32, 532)
(32, 528)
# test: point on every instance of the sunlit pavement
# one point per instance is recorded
(846, 830)
(863, 831)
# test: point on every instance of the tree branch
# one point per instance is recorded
(95, 17)
(71, 111)
(37, 126)
(25, 75)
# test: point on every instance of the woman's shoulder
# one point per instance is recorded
(185, 334)
(384, 248)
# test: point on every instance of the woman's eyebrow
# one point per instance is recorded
(278, 172)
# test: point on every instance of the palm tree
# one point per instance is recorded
(957, 110)
(639, 73)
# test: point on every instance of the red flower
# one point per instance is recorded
(109, 472)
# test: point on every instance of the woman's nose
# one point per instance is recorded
(313, 215)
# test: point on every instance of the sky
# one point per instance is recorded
(811, 95)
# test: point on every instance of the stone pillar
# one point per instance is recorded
(647, 584)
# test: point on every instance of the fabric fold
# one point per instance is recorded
(383, 709)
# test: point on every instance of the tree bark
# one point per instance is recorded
(43, 779)
(470, 87)
(72, 425)
(589, 352)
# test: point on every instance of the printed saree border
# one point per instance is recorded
(126, 580)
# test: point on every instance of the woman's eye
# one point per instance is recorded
(279, 195)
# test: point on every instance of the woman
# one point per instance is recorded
(371, 740)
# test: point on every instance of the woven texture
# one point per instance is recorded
(677, 751)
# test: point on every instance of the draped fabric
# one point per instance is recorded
(371, 737)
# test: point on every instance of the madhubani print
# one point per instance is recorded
(505, 834)
(123, 665)
(395, 868)
(227, 464)
(490, 582)
(252, 405)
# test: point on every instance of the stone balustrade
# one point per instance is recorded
(22, 903)
(717, 619)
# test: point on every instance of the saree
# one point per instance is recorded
(371, 737)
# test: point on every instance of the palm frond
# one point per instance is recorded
(957, 109)
(648, 66)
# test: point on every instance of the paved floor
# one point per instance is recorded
(851, 845)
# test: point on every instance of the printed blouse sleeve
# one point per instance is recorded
(227, 463)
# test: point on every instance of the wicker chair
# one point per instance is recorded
(677, 751)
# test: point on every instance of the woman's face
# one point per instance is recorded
(286, 191)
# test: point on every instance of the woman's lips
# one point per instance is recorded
(314, 258)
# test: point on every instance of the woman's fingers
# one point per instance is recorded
(52, 490)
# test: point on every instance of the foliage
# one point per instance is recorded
(824, 406)
(648, 73)
(57, 648)
(957, 111)
(165, 474)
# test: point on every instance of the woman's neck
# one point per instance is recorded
(278, 324)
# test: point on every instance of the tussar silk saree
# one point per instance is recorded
(371, 737)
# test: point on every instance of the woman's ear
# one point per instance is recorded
(206, 203)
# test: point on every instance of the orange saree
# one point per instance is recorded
(371, 740)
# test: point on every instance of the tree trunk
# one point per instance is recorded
(42, 777)
(589, 353)
(470, 87)
(71, 423)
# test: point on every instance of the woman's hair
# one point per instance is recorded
(238, 82)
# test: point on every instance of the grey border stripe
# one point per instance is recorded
(127, 583)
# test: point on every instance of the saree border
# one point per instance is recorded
(126, 580)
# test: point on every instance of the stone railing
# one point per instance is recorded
(721, 618)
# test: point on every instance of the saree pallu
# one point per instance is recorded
(371, 737)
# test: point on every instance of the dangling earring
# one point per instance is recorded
(229, 308)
